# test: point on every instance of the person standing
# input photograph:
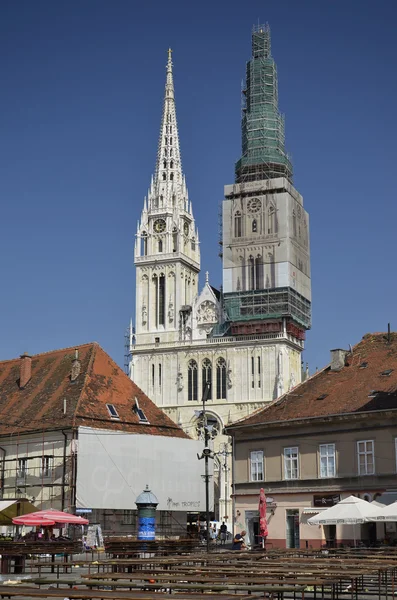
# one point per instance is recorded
(223, 533)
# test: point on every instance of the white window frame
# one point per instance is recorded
(365, 452)
(47, 466)
(327, 455)
(288, 461)
(22, 468)
(257, 458)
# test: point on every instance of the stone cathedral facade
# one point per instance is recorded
(246, 337)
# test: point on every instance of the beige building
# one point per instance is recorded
(329, 437)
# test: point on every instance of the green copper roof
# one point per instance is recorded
(263, 150)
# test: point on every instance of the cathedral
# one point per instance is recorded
(243, 340)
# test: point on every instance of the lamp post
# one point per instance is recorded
(207, 454)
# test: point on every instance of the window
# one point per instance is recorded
(112, 411)
(256, 465)
(129, 517)
(160, 245)
(144, 244)
(159, 375)
(159, 283)
(291, 467)
(206, 377)
(237, 224)
(47, 464)
(258, 273)
(192, 389)
(254, 226)
(193, 244)
(327, 460)
(271, 220)
(259, 371)
(365, 457)
(139, 412)
(251, 272)
(252, 372)
(22, 467)
(153, 367)
(220, 378)
(174, 239)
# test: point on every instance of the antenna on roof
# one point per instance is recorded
(388, 333)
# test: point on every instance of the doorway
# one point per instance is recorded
(292, 528)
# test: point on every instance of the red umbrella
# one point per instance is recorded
(263, 531)
(32, 521)
(50, 517)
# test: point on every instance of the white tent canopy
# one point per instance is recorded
(388, 513)
(349, 511)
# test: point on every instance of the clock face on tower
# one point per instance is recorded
(159, 225)
(254, 205)
(186, 229)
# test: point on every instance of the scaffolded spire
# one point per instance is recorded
(168, 189)
(263, 141)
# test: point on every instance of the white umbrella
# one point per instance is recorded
(388, 513)
(349, 511)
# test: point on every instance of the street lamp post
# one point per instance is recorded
(207, 454)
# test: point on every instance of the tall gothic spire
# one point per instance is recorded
(169, 188)
(263, 140)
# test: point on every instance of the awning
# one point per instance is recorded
(9, 509)
(312, 510)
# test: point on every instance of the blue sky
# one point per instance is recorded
(80, 106)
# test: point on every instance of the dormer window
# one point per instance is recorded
(112, 411)
(139, 412)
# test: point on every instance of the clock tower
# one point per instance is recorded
(167, 255)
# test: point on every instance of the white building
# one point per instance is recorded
(247, 340)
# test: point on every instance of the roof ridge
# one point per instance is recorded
(85, 344)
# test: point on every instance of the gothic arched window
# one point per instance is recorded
(172, 164)
(144, 244)
(193, 244)
(258, 273)
(254, 226)
(206, 377)
(251, 272)
(271, 220)
(175, 240)
(165, 164)
(220, 379)
(192, 387)
(160, 245)
(164, 176)
(171, 176)
(237, 224)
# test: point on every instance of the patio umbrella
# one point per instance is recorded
(388, 513)
(32, 521)
(51, 516)
(263, 531)
(350, 511)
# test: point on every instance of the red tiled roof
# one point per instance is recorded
(340, 392)
(51, 400)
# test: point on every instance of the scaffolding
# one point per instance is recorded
(268, 304)
(263, 137)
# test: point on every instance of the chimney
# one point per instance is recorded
(338, 359)
(76, 366)
(25, 370)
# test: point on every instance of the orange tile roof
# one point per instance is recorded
(51, 400)
(340, 392)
